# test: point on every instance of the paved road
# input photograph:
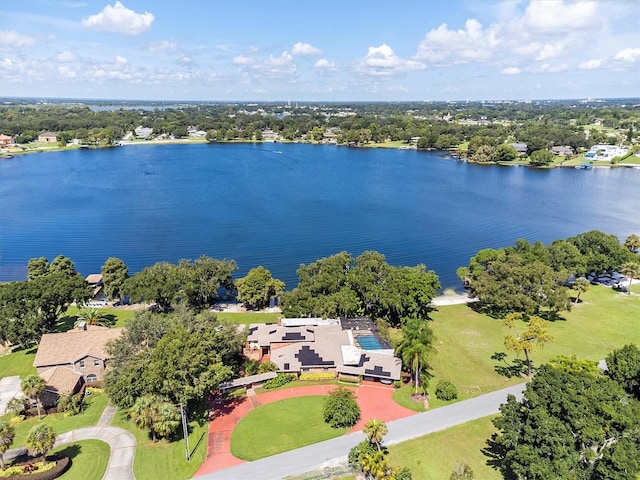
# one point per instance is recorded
(332, 452)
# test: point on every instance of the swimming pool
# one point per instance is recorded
(369, 342)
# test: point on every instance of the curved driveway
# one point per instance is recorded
(331, 452)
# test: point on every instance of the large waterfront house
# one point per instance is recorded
(6, 140)
(344, 347)
(66, 361)
(605, 152)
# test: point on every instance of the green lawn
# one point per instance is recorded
(246, 318)
(94, 406)
(116, 315)
(281, 426)
(18, 363)
(465, 340)
(434, 456)
(163, 459)
(89, 459)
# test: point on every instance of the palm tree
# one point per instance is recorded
(375, 465)
(581, 285)
(632, 242)
(142, 413)
(416, 346)
(375, 430)
(33, 386)
(166, 419)
(631, 270)
(40, 440)
(7, 434)
(91, 316)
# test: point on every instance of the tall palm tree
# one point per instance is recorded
(375, 430)
(415, 347)
(40, 440)
(631, 270)
(7, 434)
(33, 386)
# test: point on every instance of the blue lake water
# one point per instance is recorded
(280, 205)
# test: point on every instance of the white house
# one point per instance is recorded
(605, 152)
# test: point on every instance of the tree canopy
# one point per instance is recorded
(573, 422)
(258, 287)
(341, 286)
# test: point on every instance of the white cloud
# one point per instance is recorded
(325, 64)
(163, 46)
(66, 57)
(119, 19)
(382, 61)
(473, 44)
(121, 60)
(590, 64)
(305, 50)
(242, 60)
(14, 39)
(511, 71)
(65, 72)
(559, 16)
(548, 68)
(628, 55)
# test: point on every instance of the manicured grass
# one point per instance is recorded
(89, 459)
(247, 318)
(281, 426)
(435, 455)
(465, 340)
(167, 459)
(18, 363)
(116, 316)
(94, 407)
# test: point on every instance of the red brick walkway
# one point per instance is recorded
(375, 401)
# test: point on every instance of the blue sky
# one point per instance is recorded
(329, 50)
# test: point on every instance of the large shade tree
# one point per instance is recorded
(573, 422)
(526, 338)
(258, 287)
(114, 277)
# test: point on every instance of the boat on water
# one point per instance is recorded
(584, 166)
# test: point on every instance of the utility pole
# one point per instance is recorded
(185, 430)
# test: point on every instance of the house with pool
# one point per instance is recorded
(345, 347)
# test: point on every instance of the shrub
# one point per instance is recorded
(397, 384)
(265, 367)
(446, 391)
(341, 408)
(280, 381)
(357, 453)
(347, 379)
(71, 404)
(462, 471)
(17, 406)
(94, 390)
(317, 376)
(251, 366)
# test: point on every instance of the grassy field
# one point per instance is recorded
(466, 341)
(434, 456)
(94, 406)
(163, 459)
(18, 363)
(281, 426)
(89, 459)
(115, 315)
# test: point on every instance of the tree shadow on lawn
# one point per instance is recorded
(496, 454)
(71, 451)
(219, 406)
(509, 370)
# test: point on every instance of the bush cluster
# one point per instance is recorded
(341, 409)
(316, 376)
(446, 391)
(281, 380)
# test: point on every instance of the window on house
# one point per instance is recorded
(81, 363)
(96, 362)
(92, 378)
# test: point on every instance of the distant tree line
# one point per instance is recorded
(437, 125)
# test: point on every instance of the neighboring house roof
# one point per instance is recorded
(94, 278)
(277, 334)
(71, 346)
(48, 135)
(61, 380)
(519, 147)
